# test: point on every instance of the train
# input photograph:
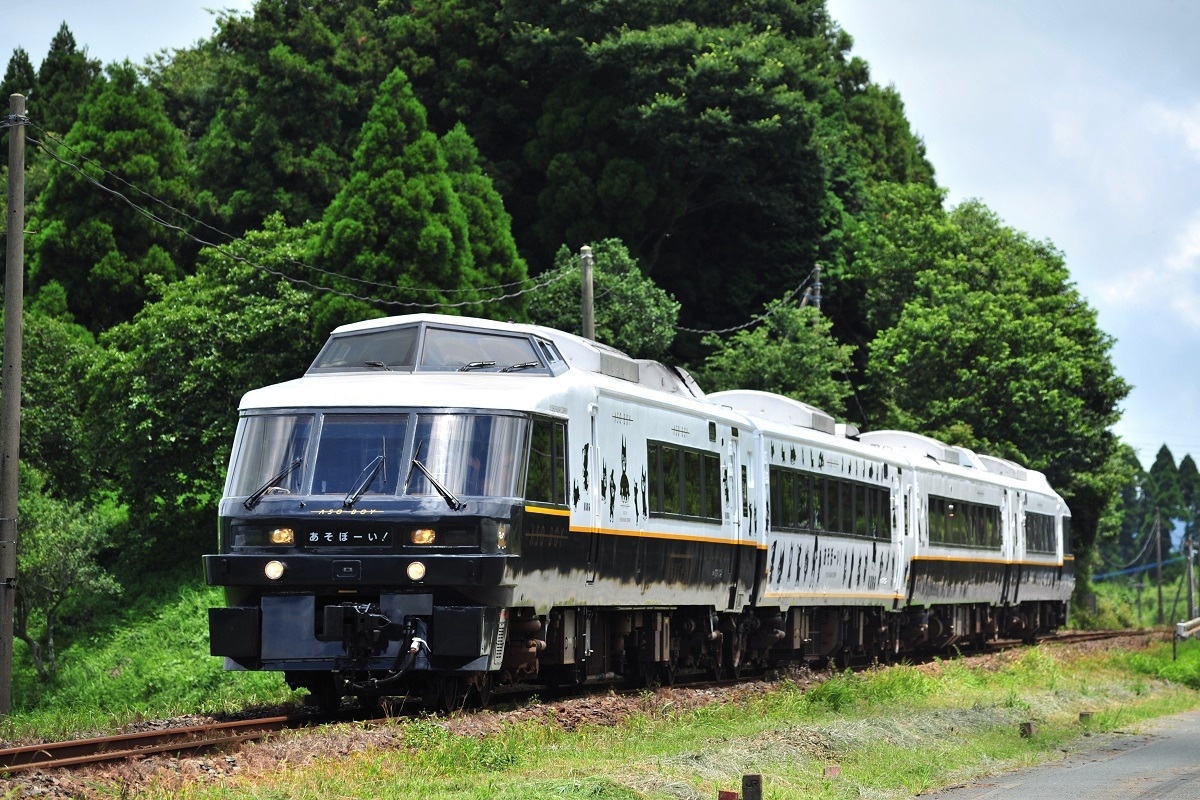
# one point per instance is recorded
(441, 506)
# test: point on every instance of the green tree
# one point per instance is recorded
(712, 138)
(19, 77)
(58, 566)
(63, 81)
(499, 267)
(1121, 541)
(996, 350)
(409, 225)
(1163, 490)
(165, 394)
(791, 352)
(293, 83)
(57, 355)
(100, 249)
(630, 312)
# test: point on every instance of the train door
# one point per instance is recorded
(735, 491)
(591, 491)
(904, 533)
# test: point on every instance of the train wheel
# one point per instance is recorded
(324, 694)
(648, 674)
(480, 693)
(733, 655)
(716, 662)
(447, 691)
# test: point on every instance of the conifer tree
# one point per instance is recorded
(62, 83)
(100, 249)
(19, 77)
(399, 222)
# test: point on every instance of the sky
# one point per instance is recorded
(1076, 121)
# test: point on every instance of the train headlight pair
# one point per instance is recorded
(423, 536)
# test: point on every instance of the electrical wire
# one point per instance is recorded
(759, 318)
(546, 279)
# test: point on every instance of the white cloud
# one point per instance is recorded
(1184, 123)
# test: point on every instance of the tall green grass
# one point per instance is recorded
(150, 660)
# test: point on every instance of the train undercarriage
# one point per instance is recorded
(575, 646)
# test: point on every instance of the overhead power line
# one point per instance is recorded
(761, 317)
(527, 285)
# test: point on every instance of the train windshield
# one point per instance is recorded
(268, 448)
(360, 452)
(477, 454)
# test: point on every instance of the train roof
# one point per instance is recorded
(357, 376)
(576, 351)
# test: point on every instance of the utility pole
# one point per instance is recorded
(10, 391)
(1158, 557)
(813, 293)
(589, 311)
(1191, 576)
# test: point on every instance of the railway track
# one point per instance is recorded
(196, 739)
(190, 739)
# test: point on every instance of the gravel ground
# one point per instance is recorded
(302, 747)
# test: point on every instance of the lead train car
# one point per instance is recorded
(441, 504)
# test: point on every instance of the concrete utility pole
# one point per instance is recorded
(1158, 558)
(10, 391)
(589, 311)
(1191, 576)
(813, 293)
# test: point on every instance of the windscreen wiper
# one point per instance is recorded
(252, 500)
(364, 480)
(447, 495)
(521, 366)
(476, 365)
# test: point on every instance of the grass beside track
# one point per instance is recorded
(890, 733)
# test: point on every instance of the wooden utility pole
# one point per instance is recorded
(589, 311)
(10, 391)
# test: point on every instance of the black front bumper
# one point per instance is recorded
(316, 571)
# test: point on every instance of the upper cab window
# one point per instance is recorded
(466, 351)
(427, 347)
(391, 349)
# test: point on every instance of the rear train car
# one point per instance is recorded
(441, 504)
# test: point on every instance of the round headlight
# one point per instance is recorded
(282, 536)
(423, 536)
(273, 570)
(416, 571)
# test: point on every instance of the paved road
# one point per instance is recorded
(1161, 762)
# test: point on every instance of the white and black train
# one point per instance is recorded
(443, 504)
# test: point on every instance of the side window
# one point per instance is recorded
(683, 482)
(547, 481)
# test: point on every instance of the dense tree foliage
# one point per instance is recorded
(401, 227)
(19, 76)
(792, 353)
(100, 249)
(58, 563)
(164, 406)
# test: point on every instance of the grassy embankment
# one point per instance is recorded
(892, 733)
